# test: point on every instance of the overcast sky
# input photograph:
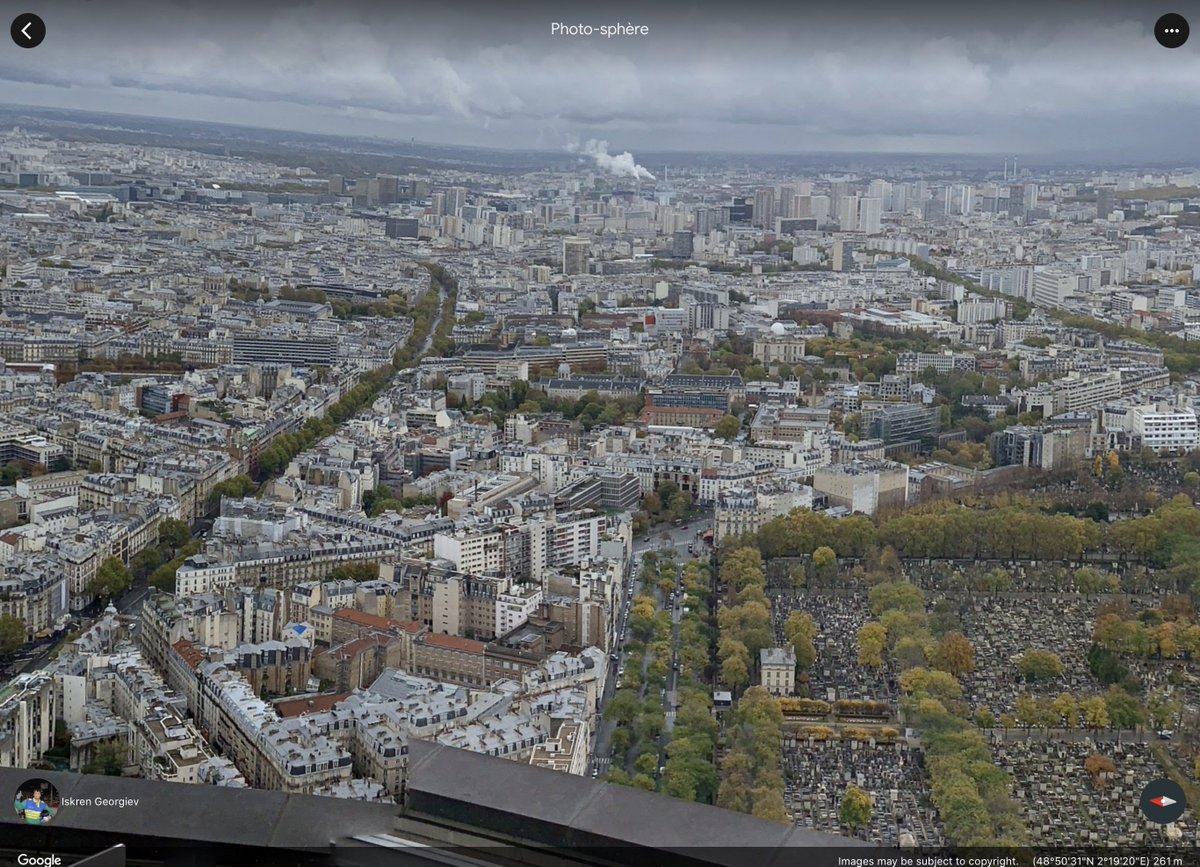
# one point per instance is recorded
(780, 77)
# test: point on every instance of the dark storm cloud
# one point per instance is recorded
(852, 76)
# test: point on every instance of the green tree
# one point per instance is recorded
(855, 811)
(728, 427)
(1039, 665)
(108, 760)
(112, 579)
(646, 763)
(145, 561)
(644, 782)
(896, 595)
(618, 776)
(735, 672)
(1124, 711)
(679, 505)
(173, 534)
(361, 571)
(12, 633)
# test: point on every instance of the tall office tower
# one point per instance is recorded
(820, 208)
(843, 255)
(456, 197)
(870, 213)
(804, 188)
(681, 245)
(707, 219)
(764, 208)
(847, 213)
(787, 196)
(1105, 201)
(337, 185)
(741, 210)
(837, 189)
(882, 190)
(439, 204)
(575, 255)
(370, 193)
(418, 191)
(389, 189)
(918, 193)
(900, 198)
(801, 206)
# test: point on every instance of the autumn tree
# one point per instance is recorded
(1097, 766)
(855, 811)
(800, 630)
(824, 561)
(872, 642)
(1094, 712)
(767, 803)
(744, 566)
(1066, 709)
(954, 654)
(922, 683)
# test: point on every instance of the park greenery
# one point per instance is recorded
(751, 775)
(690, 772)
(637, 707)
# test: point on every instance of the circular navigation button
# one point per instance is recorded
(1163, 802)
(27, 30)
(1171, 30)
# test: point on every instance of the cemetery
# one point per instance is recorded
(818, 768)
(1084, 793)
(833, 741)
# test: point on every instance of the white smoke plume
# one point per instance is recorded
(622, 165)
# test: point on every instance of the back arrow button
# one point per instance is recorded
(27, 30)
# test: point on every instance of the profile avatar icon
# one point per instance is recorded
(36, 802)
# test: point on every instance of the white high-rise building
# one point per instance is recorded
(870, 212)
(847, 213)
(456, 197)
(882, 190)
(820, 208)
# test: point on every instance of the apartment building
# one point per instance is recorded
(1165, 429)
(863, 486)
(28, 706)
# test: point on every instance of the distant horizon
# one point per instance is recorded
(1050, 81)
(1060, 159)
